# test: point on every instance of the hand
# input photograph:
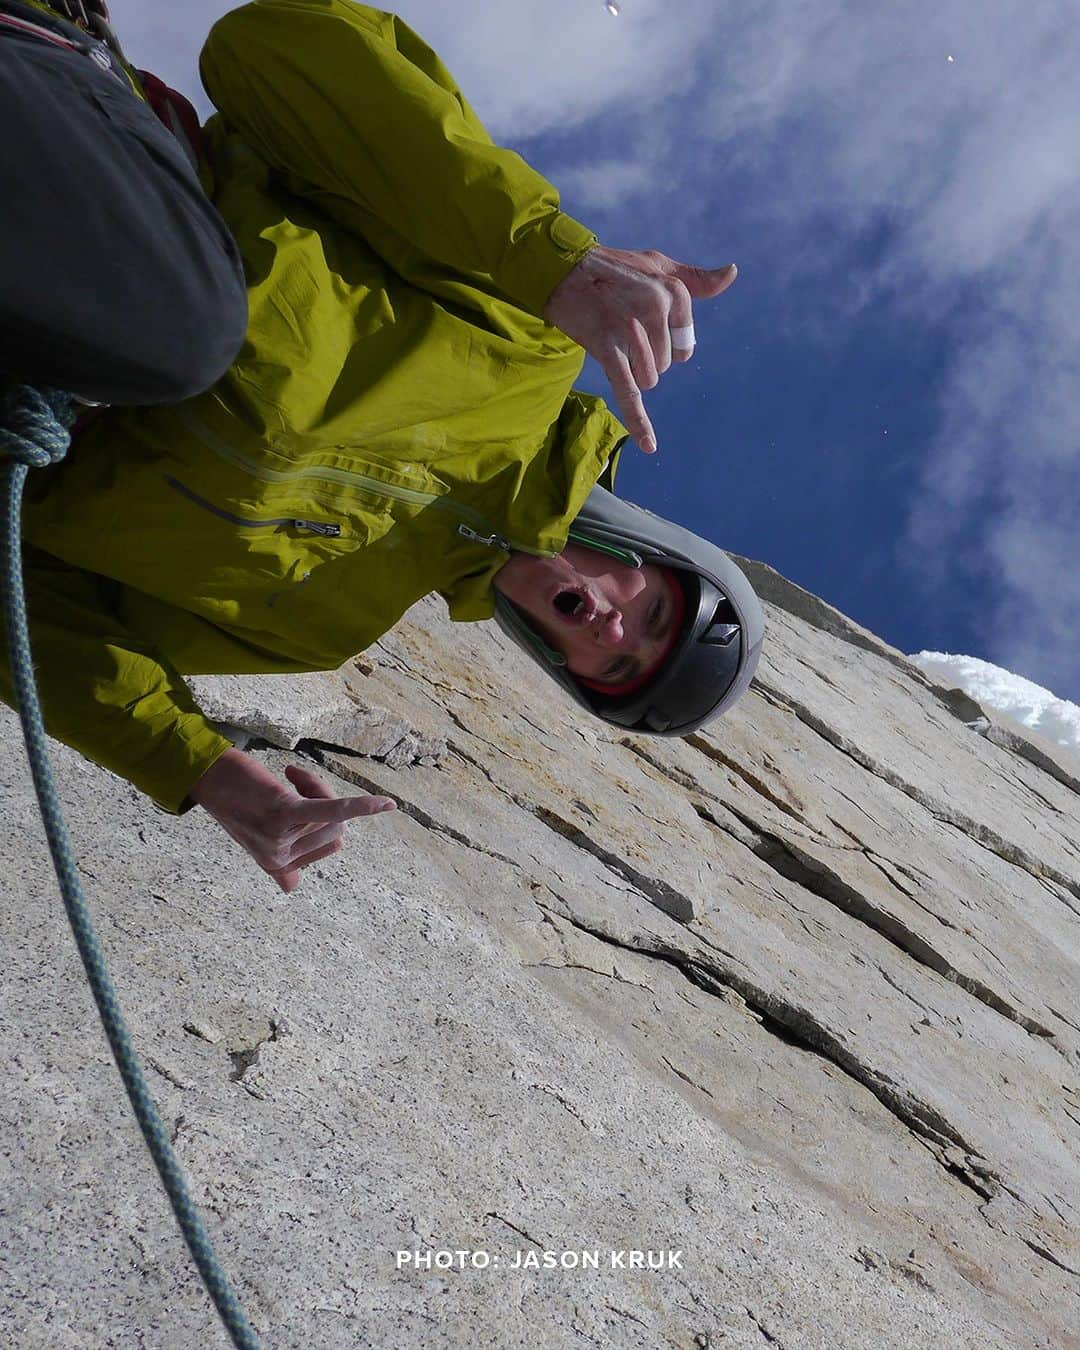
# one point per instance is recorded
(284, 829)
(621, 307)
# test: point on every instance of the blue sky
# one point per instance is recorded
(886, 406)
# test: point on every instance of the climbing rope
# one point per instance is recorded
(34, 432)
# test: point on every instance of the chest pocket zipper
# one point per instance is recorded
(350, 478)
(329, 530)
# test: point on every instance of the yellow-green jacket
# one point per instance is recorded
(398, 417)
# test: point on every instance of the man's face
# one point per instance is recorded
(611, 621)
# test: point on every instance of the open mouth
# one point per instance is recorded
(575, 604)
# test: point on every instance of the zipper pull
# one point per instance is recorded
(317, 527)
(488, 540)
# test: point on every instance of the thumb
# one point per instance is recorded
(704, 282)
(306, 783)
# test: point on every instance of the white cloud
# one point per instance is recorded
(607, 183)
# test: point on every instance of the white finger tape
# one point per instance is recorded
(683, 338)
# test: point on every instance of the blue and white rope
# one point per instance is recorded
(34, 432)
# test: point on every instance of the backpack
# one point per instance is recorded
(84, 27)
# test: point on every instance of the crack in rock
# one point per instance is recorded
(686, 1077)
(966, 1168)
(170, 1075)
(665, 897)
(550, 1091)
(1029, 791)
(1049, 1256)
(396, 747)
(884, 867)
(474, 763)
(612, 974)
(799, 1028)
(765, 1332)
(925, 1021)
(714, 753)
(520, 1231)
(473, 734)
(622, 1312)
(978, 834)
(794, 1024)
(1062, 1018)
(790, 862)
(689, 783)
(1012, 741)
(786, 595)
(334, 761)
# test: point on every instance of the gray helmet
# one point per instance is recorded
(711, 663)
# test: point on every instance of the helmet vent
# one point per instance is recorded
(724, 628)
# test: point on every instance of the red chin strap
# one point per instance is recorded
(678, 612)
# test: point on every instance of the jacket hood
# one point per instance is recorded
(715, 658)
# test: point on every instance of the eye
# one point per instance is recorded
(616, 669)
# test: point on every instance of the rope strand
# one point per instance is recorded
(34, 432)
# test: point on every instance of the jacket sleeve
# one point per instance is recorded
(105, 692)
(354, 109)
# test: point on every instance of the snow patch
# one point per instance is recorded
(1010, 695)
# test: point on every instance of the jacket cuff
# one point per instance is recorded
(176, 767)
(541, 257)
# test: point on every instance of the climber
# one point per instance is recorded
(400, 420)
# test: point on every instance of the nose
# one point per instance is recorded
(609, 630)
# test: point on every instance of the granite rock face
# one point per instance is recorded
(789, 1007)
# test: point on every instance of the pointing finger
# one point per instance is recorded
(323, 811)
(628, 397)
